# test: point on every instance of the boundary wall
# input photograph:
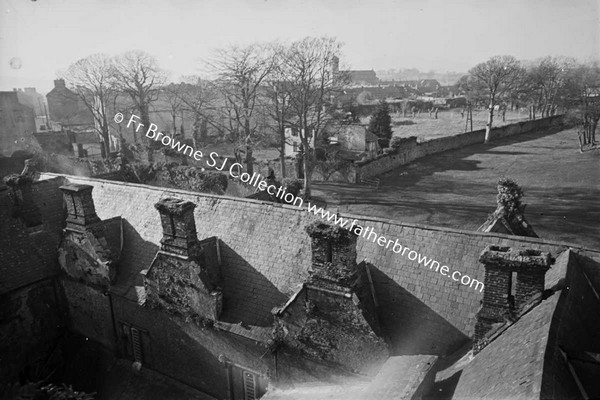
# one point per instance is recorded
(411, 149)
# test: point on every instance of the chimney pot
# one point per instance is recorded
(81, 212)
(502, 296)
(333, 254)
(179, 226)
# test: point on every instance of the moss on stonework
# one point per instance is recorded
(322, 231)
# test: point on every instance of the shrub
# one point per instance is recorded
(293, 185)
(383, 143)
(381, 122)
(509, 195)
(396, 142)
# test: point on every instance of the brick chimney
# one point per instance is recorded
(512, 278)
(81, 213)
(180, 279)
(59, 83)
(179, 227)
(335, 306)
(333, 256)
(22, 197)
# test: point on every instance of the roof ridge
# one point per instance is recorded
(351, 216)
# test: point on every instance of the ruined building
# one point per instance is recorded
(224, 298)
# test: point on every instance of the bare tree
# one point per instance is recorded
(312, 85)
(198, 99)
(474, 94)
(93, 80)
(547, 78)
(173, 96)
(241, 73)
(277, 105)
(140, 78)
(499, 76)
(582, 93)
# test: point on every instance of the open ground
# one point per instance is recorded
(448, 122)
(457, 188)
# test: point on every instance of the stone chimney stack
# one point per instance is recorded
(22, 197)
(512, 278)
(81, 213)
(179, 227)
(335, 65)
(333, 255)
(59, 83)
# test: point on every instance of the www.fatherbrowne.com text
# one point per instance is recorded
(257, 181)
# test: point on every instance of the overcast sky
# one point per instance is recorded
(44, 36)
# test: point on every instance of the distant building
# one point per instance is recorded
(17, 124)
(423, 86)
(293, 143)
(30, 97)
(362, 77)
(356, 140)
(67, 108)
(355, 77)
(87, 144)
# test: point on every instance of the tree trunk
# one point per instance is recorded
(307, 175)
(195, 130)
(105, 135)
(282, 151)
(249, 163)
(203, 131)
(106, 142)
(134, 134)
(145, 121)
(488, 126)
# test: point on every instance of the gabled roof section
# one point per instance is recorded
(512, 365)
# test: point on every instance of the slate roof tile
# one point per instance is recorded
(269, 248)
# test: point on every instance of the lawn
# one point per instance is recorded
(449, 122)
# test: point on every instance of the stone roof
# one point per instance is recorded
(513, 364)
(266, 255)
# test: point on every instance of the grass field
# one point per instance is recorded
(457, 188)
(448, 123)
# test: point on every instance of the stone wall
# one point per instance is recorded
(186, 351)
(412, 149)
(89, 312)
(30, 327)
